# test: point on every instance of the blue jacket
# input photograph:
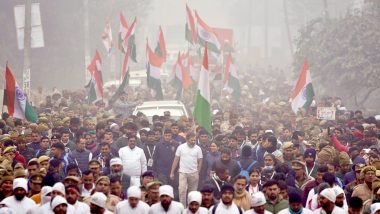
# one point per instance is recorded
(164, 156)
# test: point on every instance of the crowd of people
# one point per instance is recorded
(260, 157)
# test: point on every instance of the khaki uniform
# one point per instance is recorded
(362, 191)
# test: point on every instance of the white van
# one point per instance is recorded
(176, 108)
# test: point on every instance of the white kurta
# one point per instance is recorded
(223, 209)
(134, 163)
(81, 208)
(175, 208)
(253, 212)
(124, 208)
(336, 210)
(20, 207)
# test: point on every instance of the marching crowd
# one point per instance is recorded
(260, 158)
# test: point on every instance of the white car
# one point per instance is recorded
(176, 108)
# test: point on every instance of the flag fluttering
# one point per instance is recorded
(190, 26)
(129, 43)
(161, 46)
(202, 112)
(231, 81)
(180, 78)
(16, 101)
(154, 63)
(206, 34)
(303, 93)
(123, 29)
(96, 83)
(121, 87)
(107, 37)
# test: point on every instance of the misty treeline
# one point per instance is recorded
(344, 55)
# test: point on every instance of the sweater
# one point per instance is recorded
(81, 158)
(278, 206)
(243, 200)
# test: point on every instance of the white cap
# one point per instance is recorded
(44, 192)
(114, 126)
(57, 200)
(20, 183)
(268, 131)
(338, 191)
(59, 187)
(375, 207)
(258, 199)
(115, 161)
(329, 193)
(134, 192)
(166, 190)
(99, 199)
(194, 196)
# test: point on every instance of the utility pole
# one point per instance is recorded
(326, 9)
(27, 47)
(285, 5)
(249, 26)
(266, 51)
(87, 57)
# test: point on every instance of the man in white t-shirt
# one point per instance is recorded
(189, 156)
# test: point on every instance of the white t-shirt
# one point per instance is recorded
(188, 158)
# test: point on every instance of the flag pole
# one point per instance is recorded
(2, 106)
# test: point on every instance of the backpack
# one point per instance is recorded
(216, 205)
(245, 172)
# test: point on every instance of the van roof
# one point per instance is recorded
(161, 103)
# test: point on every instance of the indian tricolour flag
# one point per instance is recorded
(154, 63)
(303, 93)
(129, 43)
(231, 81)
(187, 61)
(96, 83)
(107, 37)
(190, 26)
(180, 78)
(123, 29)
(207, 35)
(161, 46)
(202, 112)
(14, 98)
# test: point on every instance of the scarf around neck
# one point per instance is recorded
(293, 212)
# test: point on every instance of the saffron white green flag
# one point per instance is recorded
(303, 93)
(14, 98)
(202, 112)
(107, 37)
(154, 63)
(207, 35)
(231, 81)
(95, 93)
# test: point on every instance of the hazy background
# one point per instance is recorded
(61, 63)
